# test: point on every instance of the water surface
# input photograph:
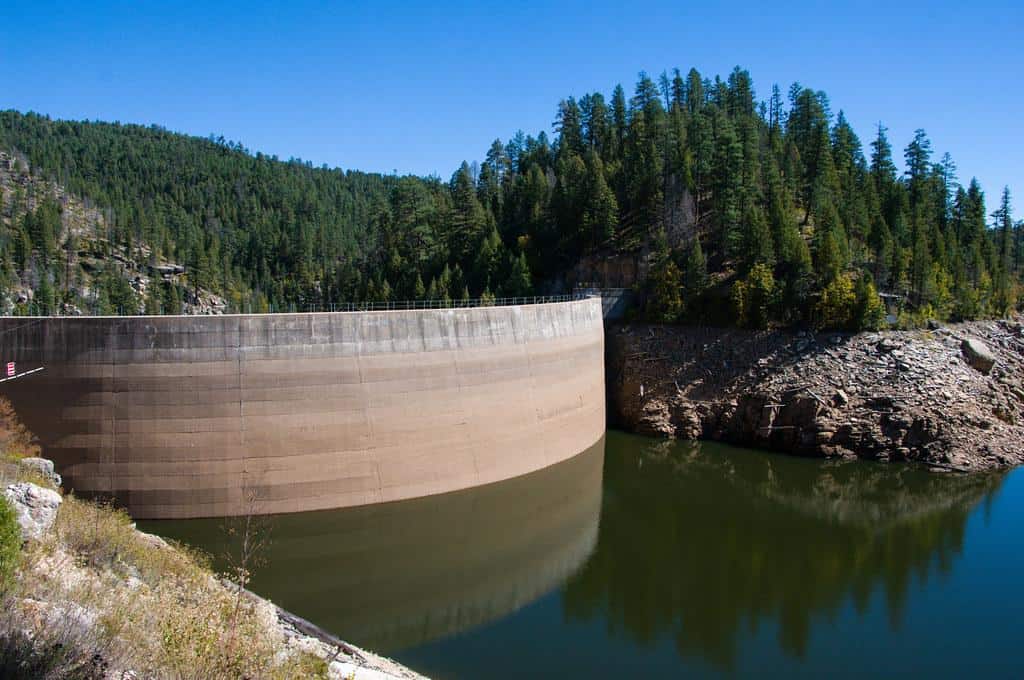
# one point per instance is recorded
(660, 559)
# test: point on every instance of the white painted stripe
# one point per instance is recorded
(22, 374)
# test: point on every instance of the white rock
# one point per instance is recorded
(34, 507)
(341, 669)
(978, 355)
(41, 466)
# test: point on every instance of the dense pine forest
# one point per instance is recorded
(728, 210)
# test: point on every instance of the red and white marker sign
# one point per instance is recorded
(10, 368)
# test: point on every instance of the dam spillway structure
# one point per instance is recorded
(195, 416)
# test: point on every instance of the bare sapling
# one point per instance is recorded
(248, 536)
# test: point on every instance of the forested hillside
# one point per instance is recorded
(773, 207)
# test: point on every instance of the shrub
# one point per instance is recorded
(918, 318)
(870, 314)
(753, 297)
(41, 654)
(695, 278)
(104, 537)
(665, 301)
(836, 306)
(15, 439)
(10, 545)
(738, 298)
(101, 536)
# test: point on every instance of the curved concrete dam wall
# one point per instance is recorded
(179, 417)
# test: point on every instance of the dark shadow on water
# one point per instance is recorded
(700, 542)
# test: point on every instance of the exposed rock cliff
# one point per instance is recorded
(951, 397)
(84, 252)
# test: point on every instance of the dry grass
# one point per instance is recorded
(98, 596)
(104, 538)
(95, 598)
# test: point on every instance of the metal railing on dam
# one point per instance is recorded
(33, 310)
(185, 416)
(405, 305)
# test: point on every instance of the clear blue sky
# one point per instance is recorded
(418, 87)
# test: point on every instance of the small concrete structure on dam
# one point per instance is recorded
(189, 416)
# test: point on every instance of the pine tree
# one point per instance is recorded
(678, 92)
(601, 209)
(43, 226)
(664, 299)
(869, 313)
(753, 297)
(519, 283)
(22, 250)
(702, 150)
(829, 262)
(726, 186)
(596, 126)
(756, 246)
(1005, 293)
(838, 304)
(917, 156)
(618, 120)
(569, 127)
(467, 219)
(695, 277)
(44, 298)
(694, 91)
(567, 204)
(883, 171)
(488, 260)
(775, 111)
(1002, 223)
(645, 96)
(643, 164)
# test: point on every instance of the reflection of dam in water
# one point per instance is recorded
(394, 575)
(181, 416)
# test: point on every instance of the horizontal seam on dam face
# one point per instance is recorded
(332, 409)
(333, 455)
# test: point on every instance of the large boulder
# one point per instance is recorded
(42, 467)
(978, 355)
(34, 507)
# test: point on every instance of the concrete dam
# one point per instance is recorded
(194, 416)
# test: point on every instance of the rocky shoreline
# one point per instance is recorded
(949, 396)
(63, 599)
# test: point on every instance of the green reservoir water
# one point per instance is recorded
(643, 558)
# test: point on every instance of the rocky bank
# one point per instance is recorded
(950, 396)
(94, 597)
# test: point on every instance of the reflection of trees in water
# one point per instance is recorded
(697, 544)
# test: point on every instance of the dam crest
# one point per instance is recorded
(191, 416)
